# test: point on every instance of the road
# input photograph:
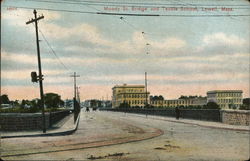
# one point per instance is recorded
(118, 136)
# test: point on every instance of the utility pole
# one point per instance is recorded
(76, 107)
(40, 76)
(146, 89)
(75, 83)
(78, 93)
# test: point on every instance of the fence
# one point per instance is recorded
(29, 121)
(197, 114)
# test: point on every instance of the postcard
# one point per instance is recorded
(125, 80)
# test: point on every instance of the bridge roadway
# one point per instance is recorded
(118, 136)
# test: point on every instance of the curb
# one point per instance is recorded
(190, 123)
(67, 132)
(208, 126)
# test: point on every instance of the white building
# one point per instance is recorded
(225, 98)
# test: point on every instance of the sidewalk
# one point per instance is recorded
(209, 124)
(63, 127)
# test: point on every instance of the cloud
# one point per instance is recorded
(221, 39)
(169, 43)
(58, 80)
(20, 57)
(222, 44)
(19, 17)
(83, 32)
(172, 79)
(100, 46)
(25, 74)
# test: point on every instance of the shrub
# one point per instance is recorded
(211, 105)
(244, 107)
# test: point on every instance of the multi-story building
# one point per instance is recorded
(134, 95)
(199, 101)
(225, 98)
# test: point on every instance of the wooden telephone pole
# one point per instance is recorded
(40, 76)
(76, 105)
(146, 89)
(75, 83)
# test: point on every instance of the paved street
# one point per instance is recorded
(118, 136)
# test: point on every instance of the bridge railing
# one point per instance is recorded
(197, 114)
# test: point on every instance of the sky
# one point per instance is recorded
(192, 46)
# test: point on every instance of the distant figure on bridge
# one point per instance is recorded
(87, 109)
(177, 113)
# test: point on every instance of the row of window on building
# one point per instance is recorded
(131, 96)
(130, 90)
(229, 101)
(229, 94)
(134, 102)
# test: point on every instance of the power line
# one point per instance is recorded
(101, 3)
(132, 26)
(53, 51)
(50, 9)
(147, 49)
(67, 2)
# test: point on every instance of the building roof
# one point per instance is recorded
(225, 91)
(128, 86)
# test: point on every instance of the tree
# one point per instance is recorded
(156, 98)
(22, 104)
(246, 101)
(15, 103)
(61, 103)
(52, 100)
(161, 98)
(124, 105)
(35, 103)
(246, 104)
(183, 97)
(4, 99)
(212, 105)
(148, 106)
(244, 107)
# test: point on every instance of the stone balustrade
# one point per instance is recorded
(235, 117)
